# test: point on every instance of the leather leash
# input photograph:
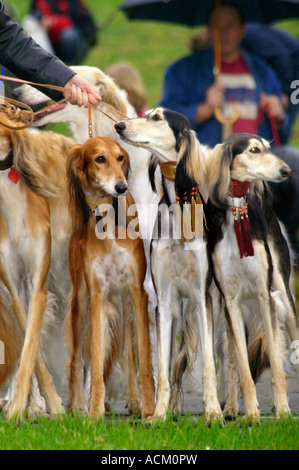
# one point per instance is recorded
(11, 107)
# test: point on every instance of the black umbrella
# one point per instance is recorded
(195, 12)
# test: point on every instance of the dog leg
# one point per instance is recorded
(133, 398)
(45, 380)
(164, 324)
(32, 338)
(276, 356)
(146, 381)
(248, 390)
(78, 315)
(211, 403)
(291, 322)
(98, 339)
(231, 407)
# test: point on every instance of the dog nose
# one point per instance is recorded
(15, 93)
(119, 126)
(285, 171)
(121, 188)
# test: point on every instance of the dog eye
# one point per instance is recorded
(100, 159)
(156, 117)
(255, 150)
(120, 158)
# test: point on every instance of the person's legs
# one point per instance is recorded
(73, 47)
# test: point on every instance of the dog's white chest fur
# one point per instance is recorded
(179, 266)
(240, 275)
(113, 269)
(13, 206)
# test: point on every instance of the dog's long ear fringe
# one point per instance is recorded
(26, 162)
(151, 172)
(126, 166)
(79, 208)
(191, 167)
(218, 174)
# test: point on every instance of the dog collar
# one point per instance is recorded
(7, 162)
(238, 188)
(94, 203)
(237, 191)
(168, 170)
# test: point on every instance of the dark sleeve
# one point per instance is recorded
(27, 60)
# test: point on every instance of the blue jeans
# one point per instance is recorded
(73, 46)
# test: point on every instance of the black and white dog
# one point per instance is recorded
(179, 267)
(250, 260)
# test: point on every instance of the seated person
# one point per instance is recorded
(190, 87)
(70, 27)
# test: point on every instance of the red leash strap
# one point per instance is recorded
(273, 126)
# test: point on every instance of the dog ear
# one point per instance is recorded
(110, 94)
(77, 183)
(153, 164)
(218, 174)
(126, 166)
(29, 164)
(191, 166)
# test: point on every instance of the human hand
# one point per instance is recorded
(215, 95)
(47, 22)
(82, 92)
(273, 105)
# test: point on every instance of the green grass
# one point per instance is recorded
(189, 433)
(151, 47)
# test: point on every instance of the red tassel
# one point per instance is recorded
(246, 236)
(239, 239)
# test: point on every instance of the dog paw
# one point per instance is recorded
(134, 407)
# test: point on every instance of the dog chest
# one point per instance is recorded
(180, 266)
(114, 269)
(242, 275)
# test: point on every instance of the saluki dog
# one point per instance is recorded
(103, 119)
(179, 266)
(107, 273)
(250, 261)
(32, 239)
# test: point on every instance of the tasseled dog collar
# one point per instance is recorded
(238, 189)
(94, 203)
(8, 163)
(168, 170)
(192, 228)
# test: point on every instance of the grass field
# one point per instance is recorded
(151, 47)
(114, 433)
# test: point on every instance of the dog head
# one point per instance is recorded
(168, 135)
(65, 112)
(161, 132)
(97, 168)
(244, 157)
(38, 157)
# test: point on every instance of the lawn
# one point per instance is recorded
(115, 433)
(151, 47)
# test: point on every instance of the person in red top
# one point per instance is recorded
(70, 27)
